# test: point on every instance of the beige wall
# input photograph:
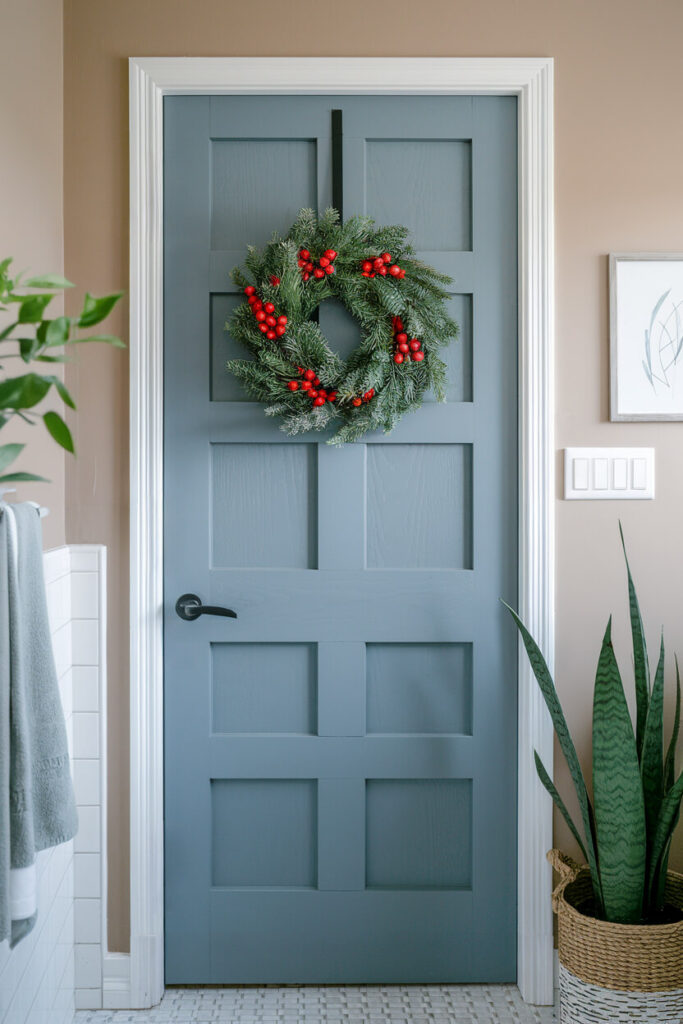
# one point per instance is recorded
(619, 153)
(31, 186)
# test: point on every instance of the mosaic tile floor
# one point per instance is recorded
(414, 1004)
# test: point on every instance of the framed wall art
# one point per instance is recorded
(646, 336)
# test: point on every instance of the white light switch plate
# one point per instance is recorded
(592, 474)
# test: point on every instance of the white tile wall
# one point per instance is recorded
(59, 965)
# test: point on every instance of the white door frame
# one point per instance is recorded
(531, 80)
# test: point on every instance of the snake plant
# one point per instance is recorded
(627, 827)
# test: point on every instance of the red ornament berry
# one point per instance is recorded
(301, 263)
(378, 262)
(332, 397)
(366, 274)
(280, 330)
(252, 300)
(309, 268)
(316, 381)
(271, 321)
(401, 274)
(263, 328)
(319, 401)
(382, 271)
(357, 402)
(404, 347)
(305, 385)
(400, 338)
(318, 273)
(398, 357)
(366, 266)
(386, 256)
(323, 261)
(282, 319)
(269, 307)
(309, 375)
(394, 270)
(330, 254)
(304, 254)
(271, 335)
(417, 357)
(249, 290)
(260, 316)
(312, 393)
(274, 280)
(293, 385)
(306, 276)
(415, 345)
(329, 269)
(398, 323)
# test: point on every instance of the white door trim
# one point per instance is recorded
(152, 78)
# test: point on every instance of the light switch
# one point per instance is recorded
(620, 471)
(639, 474)
(600, 474)
(580, 474)
(609, 473)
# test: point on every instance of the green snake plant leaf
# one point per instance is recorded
(547, 687)
(640, 660)
(651, 766)
(668, 819)
(559, 802)
(670, 763)
(618, 794)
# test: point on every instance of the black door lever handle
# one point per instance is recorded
(190, 607)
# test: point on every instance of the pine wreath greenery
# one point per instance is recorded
(397, 301)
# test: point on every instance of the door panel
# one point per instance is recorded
(340, 759)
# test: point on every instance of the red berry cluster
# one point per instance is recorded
(403, 347)
(382, 265)
(264, 314)
(367, 397)
(325, 265)
(311, 386)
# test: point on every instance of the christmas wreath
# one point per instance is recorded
(398, 302)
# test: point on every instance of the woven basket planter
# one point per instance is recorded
(615, 972)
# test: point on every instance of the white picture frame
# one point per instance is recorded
(646, 336)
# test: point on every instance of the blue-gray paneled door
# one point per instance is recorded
(340, 777)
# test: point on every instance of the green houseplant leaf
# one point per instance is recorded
(618, 794)
(670, 764)
(651, 766)
(640, 659)
(40, 342)
(8, 453)
(559, 802)
(547, 686)
(59, 430)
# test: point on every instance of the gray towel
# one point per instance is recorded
(37, 805)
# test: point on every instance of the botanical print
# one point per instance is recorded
(648, 348)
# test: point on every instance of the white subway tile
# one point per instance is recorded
(87, 920)
(85, 642)
(83, 560)
(84, 595)
(86, 727)
(56, 563)
(88, 838)
(62, 649)
(87, 875)
(88, 965)
(88, 998)
(86, 688)
(58, 594)
(86, 776)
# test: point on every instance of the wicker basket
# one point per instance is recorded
(615, 972)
